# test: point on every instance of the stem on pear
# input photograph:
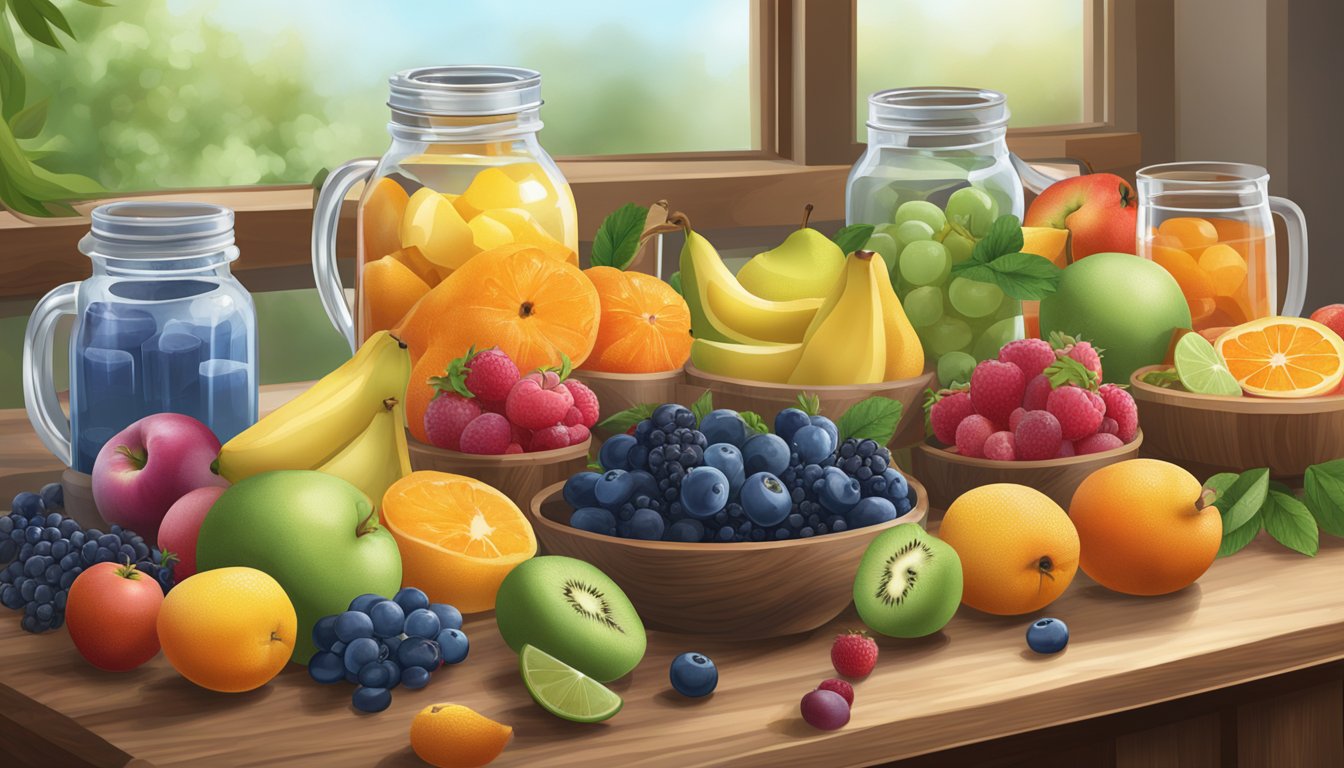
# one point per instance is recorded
(807, 214)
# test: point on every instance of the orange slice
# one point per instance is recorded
(458, 537)
(1283, 357)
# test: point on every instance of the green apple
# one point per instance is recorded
(315, 533)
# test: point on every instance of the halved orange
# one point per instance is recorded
(458, 537)
(1283, 357)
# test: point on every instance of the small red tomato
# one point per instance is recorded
(112, 612)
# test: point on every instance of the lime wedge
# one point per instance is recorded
(1202, 369)
(565, 691)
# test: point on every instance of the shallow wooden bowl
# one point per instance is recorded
(767, 399)
(518, 476)
(1208, 434)
(733, 591)
(948, 474)
(619, 391)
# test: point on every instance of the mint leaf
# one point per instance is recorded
(852, 237)
(1245, 497)
(617, 240)
(1235, 541)
(1324, 494)
(1275, 485)
(623, 420)
(675, 282)
(1004, 237)
(874, 418)
(703, 405)
(1167, 379)
(1023, 276)
(809, 404)
(1290, 523)
(754, 422)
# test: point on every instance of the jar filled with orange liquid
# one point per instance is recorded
(1210, 226)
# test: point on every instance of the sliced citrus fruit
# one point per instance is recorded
(1201, 369)
(1283, 357)
(458, 537)
(565, 691)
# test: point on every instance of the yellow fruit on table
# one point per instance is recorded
(229, 630)
(805, 266)
(454, 736)
(905, 353)
(1143, 527)
(434, 226)
(1047, 242)
(1018, 549)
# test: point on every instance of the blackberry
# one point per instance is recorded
(865, 461)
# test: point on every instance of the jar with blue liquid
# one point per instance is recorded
(161, 326)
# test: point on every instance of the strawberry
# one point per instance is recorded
(1001, 447)
(1120, 406)
(487, 434)
(550, 438)
(854, 654)
(538, 401)
(996, 389)
(585, 400)
(972, 433)
(1073, 407)
(834, 685)
(1031, 355)
(1082, 351)
(577, 433)
(1097, 443)
(445, 418)
(490, 373)
(1037, 436)
(946, 409)
(1038, 389)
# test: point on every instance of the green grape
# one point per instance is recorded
(921, 210)
(949, 334)
(993, 338)
(972, 209)
(955, 368)
(924, 262)
(958, 246)
(924, 306)
(1009, 307)
(973, 298)
(885, 245)
(913, 232)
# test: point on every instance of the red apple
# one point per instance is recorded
(1099, 209)
(1331, 316)
(177, 532)
(147, 466)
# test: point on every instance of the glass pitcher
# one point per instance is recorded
(465, 173)
(161, 326)
(1210, 226)
(938, 169)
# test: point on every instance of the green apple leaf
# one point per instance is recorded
(852, 237)
(1324, 494)
(1243, 498)
(1235, 541)
(754, 422)
(621, 421)
(617, 240)
(873, 418)
(703, 405)
(1290, 523)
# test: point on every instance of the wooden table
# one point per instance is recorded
(1243, 668)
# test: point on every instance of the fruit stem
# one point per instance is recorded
(127, 571)
(367, 525)
(138, 459)
(1124, 195)
(675, 221)
(389, 403)
(1206, 499)
(863, 255)
(807, 214)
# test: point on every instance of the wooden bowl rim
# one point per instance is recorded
(820, 389)
(915, 515)
(534, 457)
(584, 373)
(950, 456)
(1266, 406)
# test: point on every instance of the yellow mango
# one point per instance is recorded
(434, 226)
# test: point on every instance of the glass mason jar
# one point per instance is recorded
(935, 176)
(161, 326)
(465, 173)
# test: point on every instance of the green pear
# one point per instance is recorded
(805, 266)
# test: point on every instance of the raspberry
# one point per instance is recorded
(585, 400)
(538, 401)
(577, 433)
(1001, 447)
(947, 411)
(1073, 407)
(1109, 426)
(972, 433)
(1031, 355)
(1097, 402)
(1097, 443)
(445, 418)
(523, 437)
(1015, 418)
(1082, 351)
(487, 434)
(1066, 450)
(1120, 406)
(1037, 436)
(854, 654)
(572, 417)
(845, 690)
(514, 448)
(490, 373)
(1036, 392)
(550, 438)
(491, 406)
(996, 389)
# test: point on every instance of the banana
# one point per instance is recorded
(377, 457)
(905, 354)
(312, 428)
(722, 310)
(757, 362)
(846, 342)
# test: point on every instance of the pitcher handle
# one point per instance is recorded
(1033, 180)
(39, 384)
(326, 218)
(1295, 224)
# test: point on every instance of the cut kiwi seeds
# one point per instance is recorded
(908, 583)
(565, 691)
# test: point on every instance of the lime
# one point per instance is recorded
(1201, 368)
(565, 691)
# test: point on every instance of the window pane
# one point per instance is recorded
(188, 93)
(1031, 50)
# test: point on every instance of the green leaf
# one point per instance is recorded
(1066, 370)
(1275, 485)
(594, 465)
(1004, 237)
(1290, 523)
(13, 85)
(1220, 482)
(1023, 276)
(33, 23)
(675, 282)
(1324, 494)
(53, 15)
(617, 240)
(455, 376)
(703, 405)
(622, 421)
(874, 418)
(97, 3)
(754, 422)
(852, 237)
(809, 404)
(28, 122)
(1235, 541)
(1243, 498)
(1167, 379)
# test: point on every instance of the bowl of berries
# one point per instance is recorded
(517, 433)
(1036, 416)
(697, 514)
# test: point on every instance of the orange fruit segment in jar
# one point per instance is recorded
(645, 325)
(458, 537)
(1220, 264)
(1284, 357)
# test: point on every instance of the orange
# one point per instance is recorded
(390, 290)
(1191, 232)
(380, 218)
(1142, 528)
(531, 305)
(1283, 357)
(1225, 267)
(1194, 282)
(417, 263)
(454, 736)
(229, 629)
(458, 537)
(645, 325)
(1018, 549)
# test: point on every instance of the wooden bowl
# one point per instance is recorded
(767, 399)
(518, 476)
(733, 591)
(948, 474)
(1208, 434)
(619, 391)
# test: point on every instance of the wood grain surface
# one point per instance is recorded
(618, 391)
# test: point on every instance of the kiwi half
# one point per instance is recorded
(908, 583)
(573, 611)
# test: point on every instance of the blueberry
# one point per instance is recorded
(89, 552)
(765, 500)
(638, 457)
(374, 675)
(53, 496)
(614, 488)
(765, 453)
(812, 444)
(11, 598)
(415, 677)
(1047, 636)
(727, 458)
(387, 619)
(839, 492)
(726, 534)
(666, 415)
(411, 599)
(53, 573)
(59, 549)
(28, 504)
(326, 667)
(353, 625)
(578, 490)
(418, 652)
(829, 428)
(789, 421)
(686, 530)
(645, 483)
(338, 648)
(32, 534)
(453, 646)
(422, 623)
(594, 520)
(724, 426)
(364, 602)
(33, 567)
(27, 589)
(704, 492)
(615, 452)
(393, 672)
(371, 699)
(782, 533)
(693, 674)
(110, 541)
(324, 632)
(870, 511)
(359, 652)
(8, 550)
(449, 616)
(897, 488)
(647, 525)
(392, 644)
(684, 419)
